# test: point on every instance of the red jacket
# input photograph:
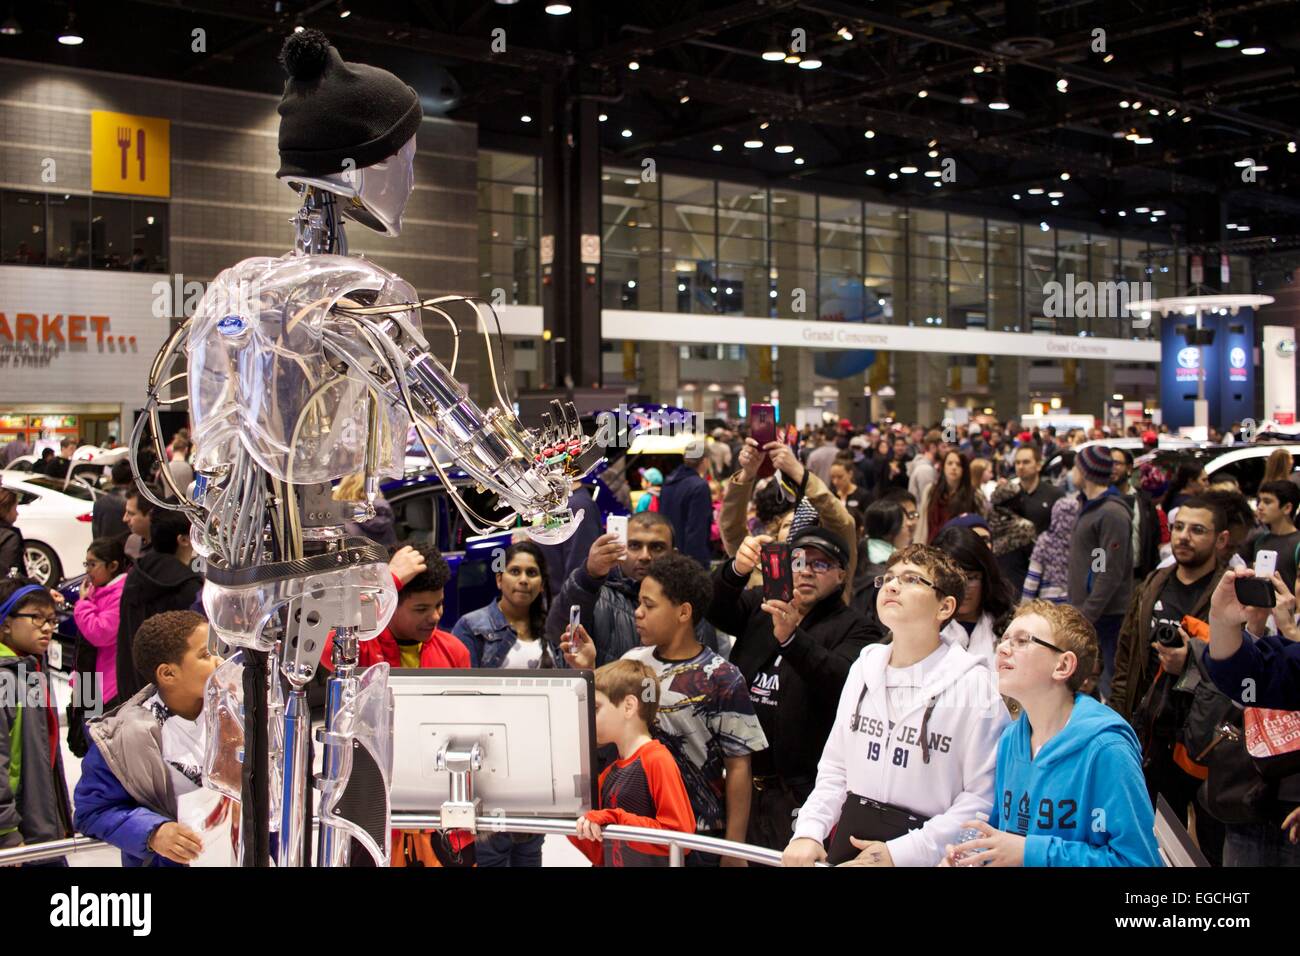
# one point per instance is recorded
(442, 649)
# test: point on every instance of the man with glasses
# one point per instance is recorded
(1152, 655)
(607, 587)
(1067, 762)
(794, 657)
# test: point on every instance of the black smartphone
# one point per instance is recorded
(1256, 592)
(762, 428)
(778, 576)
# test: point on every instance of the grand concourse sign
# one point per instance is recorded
(739, 330)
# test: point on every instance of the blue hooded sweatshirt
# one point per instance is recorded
(1082, 801)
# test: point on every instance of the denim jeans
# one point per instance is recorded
(509, 849)
(1259, 844)
(1108, 627)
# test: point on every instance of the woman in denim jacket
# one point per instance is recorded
(509, 633)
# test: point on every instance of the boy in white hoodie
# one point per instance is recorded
(913, 750)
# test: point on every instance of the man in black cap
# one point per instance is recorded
(795, 657)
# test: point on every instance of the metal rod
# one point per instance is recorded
(293, 804)
(334, 846)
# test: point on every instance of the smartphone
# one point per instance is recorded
(1255, 592)
(762, 428)
(778, 576)
(1265, 564)
(575, 618)
(617, 524)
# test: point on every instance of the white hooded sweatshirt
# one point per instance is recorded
(883, 758)
(981, 642)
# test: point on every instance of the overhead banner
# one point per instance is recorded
(1279, 374)
(1228, 365)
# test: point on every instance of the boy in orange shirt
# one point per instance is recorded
(643, 788)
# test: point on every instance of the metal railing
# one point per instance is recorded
(677, 843)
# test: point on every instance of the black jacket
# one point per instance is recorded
(157, 583)
(687, 502)
(38, 809)
(13, 554)
(813, 668)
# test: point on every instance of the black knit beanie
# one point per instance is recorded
(334, 111)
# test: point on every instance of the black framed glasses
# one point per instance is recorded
(1021, 641)
(40, 620)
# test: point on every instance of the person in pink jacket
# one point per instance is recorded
(96, 611)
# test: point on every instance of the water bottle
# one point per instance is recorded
(970, 833)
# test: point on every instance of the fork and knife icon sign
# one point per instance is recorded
(124, 144)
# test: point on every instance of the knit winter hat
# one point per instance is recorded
(333, 111)
(1094, 461)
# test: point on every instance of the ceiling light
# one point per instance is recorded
(933, 173)
(627, 134)
(1290, 147)
(1037, 191)
(1243, 228)
(784, 148)
(979, 68)
(631, 283)
(1259, 169)
(1227, 42)
(1170, 112)
(1044, 226)
(1159, 212)
(922, 94)
(772, 294)
(1015, 195)
(907, 170)
(1055, 195)
(969, 98)
(871, 172)
(683, 99)
(764, 125)
(1065, 177)
(932, 143)
(812, 63)
(1062, 85)
(631, 181)
(792, 58)
(844, 33)
(1137, 104)
(558, 9)
(798, 160)
(345, 11)
(717, 147)
(1056, 202)
(1187, 119)
(1123, 104)
(1122, 213)
(999, 100)
(1108, 57)
(1131, 135)
(753, 144)
(1142, 209)
(870, 134)
(11, 27)
(1144, 140)
(634, 65)
(933, 154)
(297, 29)
(774, 54)
(1232, 225)
(1154, 219)
(681, 287)
(1153, 111)
(1243, 163)
(893, 175)
(525, 118)
(71, 36)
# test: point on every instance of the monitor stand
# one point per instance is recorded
(460, 811)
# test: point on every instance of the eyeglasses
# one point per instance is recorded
(39, 621)
(91, 564)
(911, 515)
(800, 561)
(1021, 641)
(907, 577)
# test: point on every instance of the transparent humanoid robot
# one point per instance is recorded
(302, 370)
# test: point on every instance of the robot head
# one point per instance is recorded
(349, 129)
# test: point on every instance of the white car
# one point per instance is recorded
(55, 523)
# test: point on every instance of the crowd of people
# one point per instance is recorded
(978, 665)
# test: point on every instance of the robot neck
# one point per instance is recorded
(318, 226)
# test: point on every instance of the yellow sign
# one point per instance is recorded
(130, 154)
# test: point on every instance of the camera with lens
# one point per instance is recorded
(1167, 635)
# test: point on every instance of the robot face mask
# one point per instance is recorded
(375, 196)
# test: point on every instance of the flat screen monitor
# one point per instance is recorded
(537, 730)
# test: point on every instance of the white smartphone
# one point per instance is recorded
(1265, 564)
(617, 524)
(575, 618)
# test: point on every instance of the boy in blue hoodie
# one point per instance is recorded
(148, 752)
(1069, 789)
